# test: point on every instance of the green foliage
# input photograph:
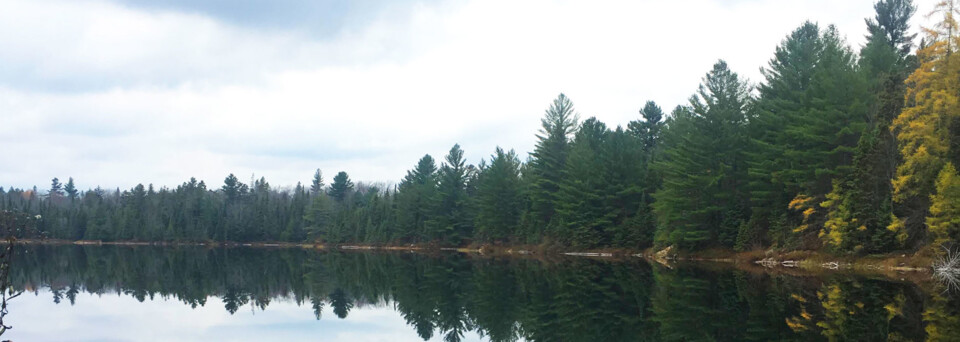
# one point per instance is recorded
(860, 206)
(811, 111)
(581, 203)
(316, 185)
(600, 199)
(341, 187)
(415, 200)
(318, 218)
(452, 219)
(71, 189)
(704, 192)
(498, 197)
(549, 159)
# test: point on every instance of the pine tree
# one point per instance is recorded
(71, 189)
(56, 189)
(628, 189)
(451, 217)
(415, 200)
(318, 218)
(650, 128)
(704, 165)
(233, 189)
(341, 187)
(892, 23)
(316, 187)
(811, 112)
(549, 159)
(499, 198)
(859, 207)
(650, 132)
(581, 201)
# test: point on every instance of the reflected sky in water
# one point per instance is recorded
(119, 317)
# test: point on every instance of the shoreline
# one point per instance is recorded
(770, 260)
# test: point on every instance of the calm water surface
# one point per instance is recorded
(115, 293)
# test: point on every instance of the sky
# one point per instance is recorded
(115, 93)
(115, 317)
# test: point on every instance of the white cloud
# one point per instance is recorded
(157, 97)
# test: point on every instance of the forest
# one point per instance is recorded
(834, 149)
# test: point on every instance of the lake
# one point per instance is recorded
(125, 293)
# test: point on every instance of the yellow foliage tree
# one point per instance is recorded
(922, 129)
(840, 222)
(944, 219)
(942, 318)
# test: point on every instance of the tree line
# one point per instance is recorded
(851, 151)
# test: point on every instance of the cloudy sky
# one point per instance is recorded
(116, 93)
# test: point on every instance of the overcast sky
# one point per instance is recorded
(116, 93)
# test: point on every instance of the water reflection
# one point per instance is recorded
(7, 293)
(455, 297)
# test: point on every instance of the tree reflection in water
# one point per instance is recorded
(507, 299)
(12, 225)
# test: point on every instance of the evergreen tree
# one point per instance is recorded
(316, 187)
(811, 112)
(629, 185)
(650, 128)
(499, 197)
(415, 199)
(341, 187)
(71, 189)
(859, 207)
(649, 132)
(549, 160)
(318, 218)
(56, 189)
(891, 24)
(233, 189)
(452, 220)
(581, 202)
(704, 165)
